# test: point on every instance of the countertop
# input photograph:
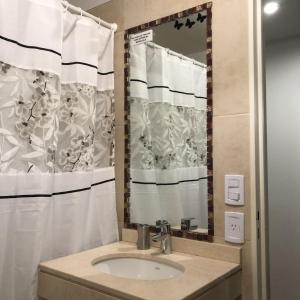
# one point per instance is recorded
(200, 273)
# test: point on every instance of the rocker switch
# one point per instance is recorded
(234, 190)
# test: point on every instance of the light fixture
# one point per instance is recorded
(271, 7)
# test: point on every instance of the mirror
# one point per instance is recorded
(168, 117)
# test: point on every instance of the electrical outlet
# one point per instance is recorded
(234, 227)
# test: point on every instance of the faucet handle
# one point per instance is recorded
(159, 223)
(188, 224)
(163, 226)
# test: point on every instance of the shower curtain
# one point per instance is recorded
(168, 139)
(57, 190)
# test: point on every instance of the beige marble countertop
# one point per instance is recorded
(199, 273)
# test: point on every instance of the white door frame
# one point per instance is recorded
(260, 162)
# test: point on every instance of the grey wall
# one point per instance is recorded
(283, 138)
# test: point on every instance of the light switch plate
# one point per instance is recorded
(234, 227)
(234, 190)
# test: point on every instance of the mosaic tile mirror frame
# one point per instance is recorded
(168, 127)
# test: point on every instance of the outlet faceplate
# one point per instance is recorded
(234, 227)
(234, 190)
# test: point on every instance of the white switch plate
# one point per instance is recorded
(234, 190)
(234, 227)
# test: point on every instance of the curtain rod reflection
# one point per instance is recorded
(195, 62)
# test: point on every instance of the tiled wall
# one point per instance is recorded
(231, 109)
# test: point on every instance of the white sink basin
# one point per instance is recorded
(138, 268)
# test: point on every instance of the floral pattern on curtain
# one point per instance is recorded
(56, 139)
(164, 136)
(45, 127)
(168, 137)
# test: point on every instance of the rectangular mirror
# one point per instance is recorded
(168, 116)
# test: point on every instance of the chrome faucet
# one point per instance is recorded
(164, 236)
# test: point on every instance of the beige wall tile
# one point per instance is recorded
(134, 13)
(230, 57)
(220, 240)
(120, 227)
(119, 53)
(119, 99)
(112, 12)
(231, 154)
(120, 172)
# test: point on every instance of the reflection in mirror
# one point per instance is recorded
(168, 109)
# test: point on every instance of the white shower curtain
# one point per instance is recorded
(57, 190)
(168, 139)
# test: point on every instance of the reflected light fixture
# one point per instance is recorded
(271, 8)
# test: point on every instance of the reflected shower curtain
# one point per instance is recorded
(168, 138)
(57, 190)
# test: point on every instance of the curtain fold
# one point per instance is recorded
(57, 192)
(168, 137)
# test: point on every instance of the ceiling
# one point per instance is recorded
(87, 4)
(285, 23)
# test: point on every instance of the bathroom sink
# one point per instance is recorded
(138, 268)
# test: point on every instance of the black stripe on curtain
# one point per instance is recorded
(166, 87)
(87, 65)
(105, 73)
(79, 63)
(170, 183)
(57, 193)
(55, 52)
(29, 46)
